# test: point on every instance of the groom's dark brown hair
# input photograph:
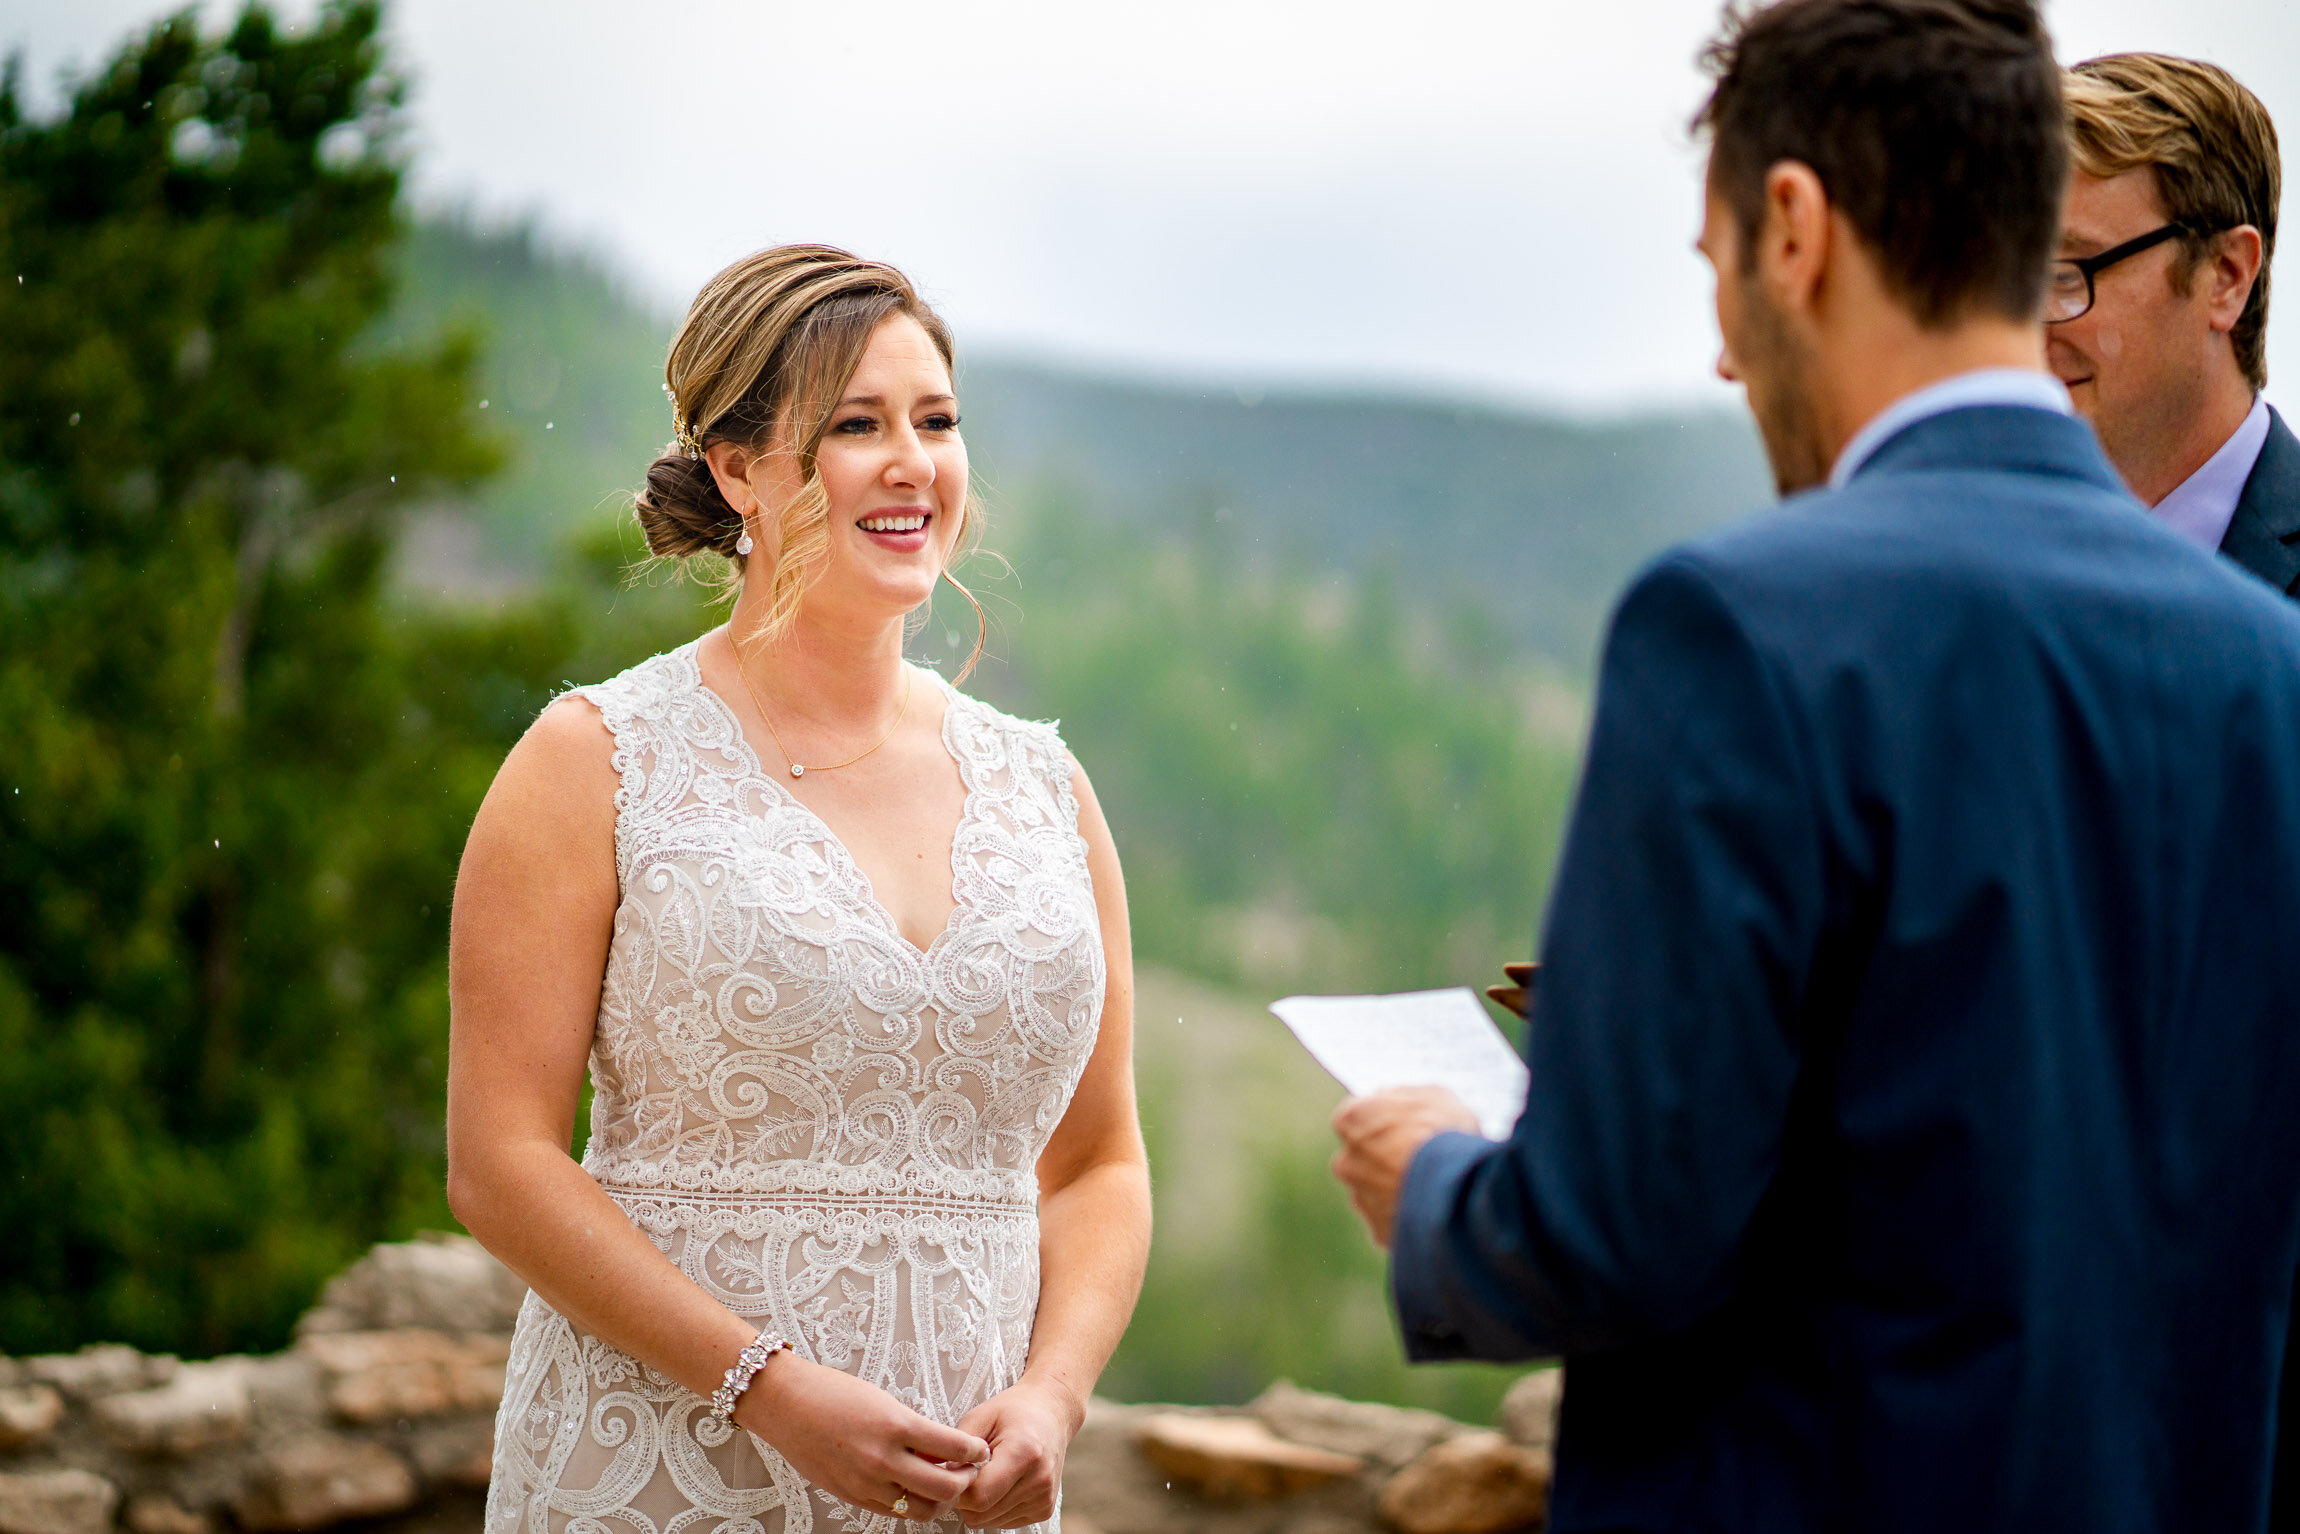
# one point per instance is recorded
(1935, 125)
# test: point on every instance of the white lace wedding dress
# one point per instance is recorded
(831, 1132)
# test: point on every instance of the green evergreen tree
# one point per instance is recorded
(237, 778)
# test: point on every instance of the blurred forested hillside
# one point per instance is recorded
(1537, 521)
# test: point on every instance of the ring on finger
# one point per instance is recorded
(901, 1505)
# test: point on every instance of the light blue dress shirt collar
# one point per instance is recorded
(1983, 386)
(2205, 503)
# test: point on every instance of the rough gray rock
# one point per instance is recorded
(1108, 1485)
(346, 1425)
(1237, 1459)
(158, 1513)
(323, 1479)
(1389, 1436)
(56, 1502)
(1478, 1483)
(287, 1387)
(1529, 1412)
(203, 1406)
(438, 1282)
(100, 1369)
(378, 1376)
(28, 1414)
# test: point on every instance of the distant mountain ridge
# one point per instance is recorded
(1537, 520)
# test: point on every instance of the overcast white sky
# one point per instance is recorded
(1482, 197)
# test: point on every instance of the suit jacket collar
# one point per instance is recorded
(2264, 535)
(2011, 438)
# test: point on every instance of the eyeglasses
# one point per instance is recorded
(2068, 291)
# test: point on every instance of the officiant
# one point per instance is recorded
(1909, 1142)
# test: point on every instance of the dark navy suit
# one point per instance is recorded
(1914, 1132)
(2264, 535)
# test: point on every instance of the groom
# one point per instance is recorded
(1914, 1132)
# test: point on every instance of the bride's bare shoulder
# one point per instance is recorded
(569, 738)
(565, 769)
(570, 728)
(559, 781)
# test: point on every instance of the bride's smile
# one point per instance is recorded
(893, 528)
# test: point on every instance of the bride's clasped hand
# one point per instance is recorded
(864, 1208)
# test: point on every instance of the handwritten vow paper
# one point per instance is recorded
(1417, 1039)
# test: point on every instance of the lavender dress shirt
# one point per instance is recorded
(2201, 507)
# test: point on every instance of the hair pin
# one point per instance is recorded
(682, 431)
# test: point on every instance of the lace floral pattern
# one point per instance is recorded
(831, 1131)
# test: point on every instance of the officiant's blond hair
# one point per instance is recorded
(768, 348)
(2209, 145)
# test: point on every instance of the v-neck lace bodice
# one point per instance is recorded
(746, 754)
(832, 1131)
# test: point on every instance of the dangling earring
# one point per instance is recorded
(743, 544)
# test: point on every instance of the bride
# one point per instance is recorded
(864, 1208)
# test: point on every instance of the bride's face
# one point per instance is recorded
(894, 471)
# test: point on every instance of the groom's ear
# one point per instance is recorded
(1795, 236)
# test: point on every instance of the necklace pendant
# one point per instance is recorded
(797, 771)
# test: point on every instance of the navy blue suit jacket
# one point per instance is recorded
(1914, 1132)
(2264, 534)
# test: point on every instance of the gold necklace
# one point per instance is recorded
(743, 670)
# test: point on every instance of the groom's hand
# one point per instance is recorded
(1380, 1133)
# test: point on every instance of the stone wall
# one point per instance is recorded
(381, 1416)
(1298, 1462)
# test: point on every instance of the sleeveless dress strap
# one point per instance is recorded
(641, 709)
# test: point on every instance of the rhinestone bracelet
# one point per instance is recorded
(748, 1363)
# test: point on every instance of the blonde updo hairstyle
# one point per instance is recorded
(769, 345)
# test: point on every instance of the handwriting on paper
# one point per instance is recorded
(1414, 1039)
